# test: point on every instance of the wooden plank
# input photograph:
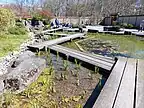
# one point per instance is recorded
(83, 57)
(140, 85)
(103, 58)
(52, 30)
(125, 96)
(56, 41)
(138, 33)
(56, 34)
(71, 29)
(109, 91)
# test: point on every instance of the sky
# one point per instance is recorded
(6, 1)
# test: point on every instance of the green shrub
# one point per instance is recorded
(124, 25)
(19, 24)
(35, 20)
(17, 30)
(7, 19)
(46, 22)
(130, 26)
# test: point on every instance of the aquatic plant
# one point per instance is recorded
(65, 62)
(96, 69)
(57, 56)
(90, 75)
(76, 62)
(48, 50)
(100, 78)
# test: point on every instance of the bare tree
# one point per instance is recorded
(20, 5)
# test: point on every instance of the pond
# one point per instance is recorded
(112, 45)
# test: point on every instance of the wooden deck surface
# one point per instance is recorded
(140, 84)
(52, 30)
(56, 34)
(55, 41)
(97, 60)
(124, 87)
(138, 33)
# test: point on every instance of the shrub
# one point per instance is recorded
(35, 20)
(7, 19)
(17, 30)
(46, 22)
(19, 24)
(130, 26)
(124, 25)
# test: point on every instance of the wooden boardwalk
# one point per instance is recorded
(97, 60)
(56, 34)
(138, 33)
(40, 46)
(51, 30)
(124, 87)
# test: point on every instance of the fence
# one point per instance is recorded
(78, 20)
(129, 19)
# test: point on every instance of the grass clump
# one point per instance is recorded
(17, 31)
(9, 42)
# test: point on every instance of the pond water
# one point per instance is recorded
(114, 45)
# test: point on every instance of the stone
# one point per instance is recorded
(24, 74)
(22, 57)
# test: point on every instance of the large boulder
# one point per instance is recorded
(24, 74)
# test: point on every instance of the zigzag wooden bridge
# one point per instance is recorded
(125, 85)
(96, 60)
(100, 61)
(56, 41)
(56, 34)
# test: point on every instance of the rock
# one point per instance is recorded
(22, 57)
(24, 74)
(12, 84)
(3, 70)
